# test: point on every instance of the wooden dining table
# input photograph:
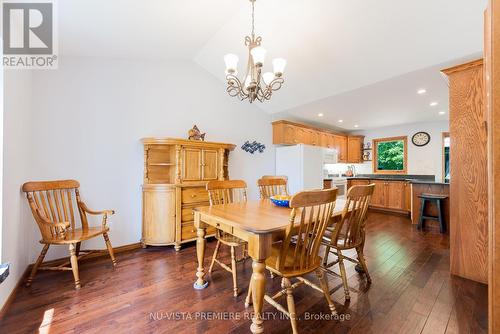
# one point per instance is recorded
(260, 223)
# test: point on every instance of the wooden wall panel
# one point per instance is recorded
(492, 63)
(469, 181)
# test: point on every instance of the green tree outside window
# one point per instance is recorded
(390, 155)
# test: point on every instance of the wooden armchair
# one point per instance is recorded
(270, 186)
(298, 254)
(53, 206)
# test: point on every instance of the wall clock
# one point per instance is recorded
(421, 138)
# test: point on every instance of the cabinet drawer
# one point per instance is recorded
(188, 231)
(187, 213)
(194, 195)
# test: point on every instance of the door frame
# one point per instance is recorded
(492, 56)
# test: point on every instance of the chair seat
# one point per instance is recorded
(288, 271)
(78, 235)
(229, 240)
(327, 236)
(433, 196)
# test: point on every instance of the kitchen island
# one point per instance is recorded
(399, 194)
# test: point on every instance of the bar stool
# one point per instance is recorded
(438, 199)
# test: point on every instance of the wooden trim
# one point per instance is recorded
(375, 155)
(492, 80)
(307, 126)
(462, 67)
(443, 170)
(191, 143)
(57, 262)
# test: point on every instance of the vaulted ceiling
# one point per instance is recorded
(359, 60)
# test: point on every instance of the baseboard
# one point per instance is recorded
(22, 279)
(10, 299)
(390, 211)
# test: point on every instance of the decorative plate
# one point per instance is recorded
(421, 138)
(283, 201)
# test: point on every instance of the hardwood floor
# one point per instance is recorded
(151, 291)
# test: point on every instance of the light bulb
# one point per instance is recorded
(268, 77)
(279, 65)
(231, 61)
(259, 55)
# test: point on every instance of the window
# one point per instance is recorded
(390, 155)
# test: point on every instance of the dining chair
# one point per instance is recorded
(53, 205)
(225, 192)
(349, 233)
(272, 186)
(298, 253)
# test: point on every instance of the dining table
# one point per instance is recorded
(259, 223)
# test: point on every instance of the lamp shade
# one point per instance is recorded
(259, 55)
(279, 65)
(231, 61)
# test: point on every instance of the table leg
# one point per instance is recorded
(201, 244)
(258, 290)
(259, 248)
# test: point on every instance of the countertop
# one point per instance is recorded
(429, 182)
(417, 179)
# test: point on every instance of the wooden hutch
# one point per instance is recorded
(176, 172)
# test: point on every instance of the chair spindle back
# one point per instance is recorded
(351, 226)
(53, 205)
(272, 186)
(225, 192)
(312, 211)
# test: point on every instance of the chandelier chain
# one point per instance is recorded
(253, 18)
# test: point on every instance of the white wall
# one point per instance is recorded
(17, 230)
(426, 160)
(90, 114)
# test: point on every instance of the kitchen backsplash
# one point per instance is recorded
(335, 169)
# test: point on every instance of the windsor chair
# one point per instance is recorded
(53, 205)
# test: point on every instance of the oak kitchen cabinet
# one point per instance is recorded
(391, 195)
(176, 172)
(290, 133)
(355, 149)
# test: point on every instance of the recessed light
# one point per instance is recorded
(341, 120)
(320, 115)
(433, 104)
(356, 126)
(421, 91)
(442, 112)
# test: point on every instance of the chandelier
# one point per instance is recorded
(256, 85)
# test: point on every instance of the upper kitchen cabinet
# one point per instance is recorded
(341, 147)
(355, 149)
(349, 148)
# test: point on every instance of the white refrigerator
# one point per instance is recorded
(302, 164)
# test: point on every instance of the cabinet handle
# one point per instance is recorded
(193, 195)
